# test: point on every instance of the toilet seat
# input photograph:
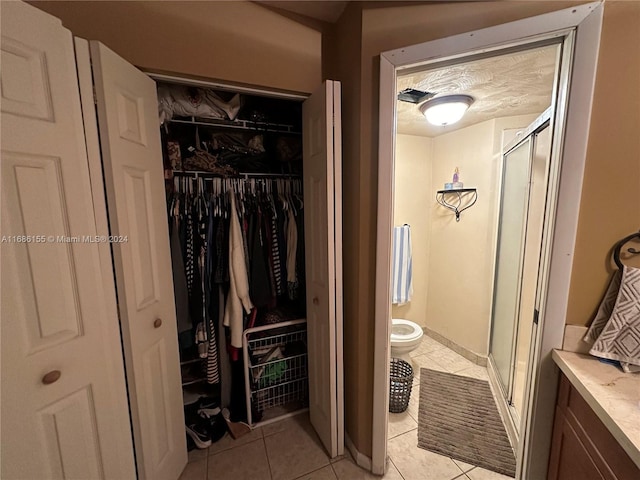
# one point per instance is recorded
(404, 330)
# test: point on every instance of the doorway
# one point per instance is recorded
(578, 29)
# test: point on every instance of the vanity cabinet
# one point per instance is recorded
(582, 447)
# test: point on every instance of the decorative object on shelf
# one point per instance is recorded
(455, 184)
(458, 195)
(446, 110)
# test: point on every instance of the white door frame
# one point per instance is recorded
(585, 21)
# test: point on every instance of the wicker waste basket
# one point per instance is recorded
(400, 382)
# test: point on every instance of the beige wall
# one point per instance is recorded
(462, 254)
(237, 41)
(412, 205)
(610, 204)
(385, 26)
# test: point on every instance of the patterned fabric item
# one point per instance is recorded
(620, 338)
(275, 256)
(190, 263)
(605, 309)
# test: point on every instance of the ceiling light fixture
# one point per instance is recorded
(446, 110)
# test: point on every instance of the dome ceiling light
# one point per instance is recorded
(446, 110)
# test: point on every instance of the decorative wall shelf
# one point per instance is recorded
(457, 197)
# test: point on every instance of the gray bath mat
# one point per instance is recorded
(458, 418)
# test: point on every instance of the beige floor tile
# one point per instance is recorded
(295, 451)
(227, 442)
(427, 345)
(475, 371)
(282, 425)
(198, 454)
(347, 470)
(425, 361)
(482, 474)
(196, 470)
(415, 463)
(450, 360)
(246, 461)
(414, 400)
(325, 473)
(400, 423)
(465, 467)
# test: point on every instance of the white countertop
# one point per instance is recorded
(612, 394)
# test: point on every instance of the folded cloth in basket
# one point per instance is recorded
(617, 336)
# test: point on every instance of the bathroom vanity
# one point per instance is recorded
(596, 431)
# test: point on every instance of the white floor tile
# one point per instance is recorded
(465, 467)
(427, 345)
(246, 461)
(415, 463)
(325, 473)
(450, 360)
(482, 474)
(227, 442)
(346, 469)
(475, 371)
(426, 361)
(295, 451)
(196, 470)
(400, 423)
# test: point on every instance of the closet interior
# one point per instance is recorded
(235, 209)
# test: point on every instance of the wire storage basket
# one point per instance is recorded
(400, 383)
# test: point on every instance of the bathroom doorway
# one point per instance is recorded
(461, 191)
(577, 57)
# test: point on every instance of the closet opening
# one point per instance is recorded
(235, 207)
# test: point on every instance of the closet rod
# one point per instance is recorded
(202, 173)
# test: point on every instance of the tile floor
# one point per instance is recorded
(290, 449)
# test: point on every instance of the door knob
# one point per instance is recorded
(316, 301)
(157, 323)
(51, 377)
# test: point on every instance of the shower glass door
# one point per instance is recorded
(508, 273)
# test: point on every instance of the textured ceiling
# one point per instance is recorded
(515, 84)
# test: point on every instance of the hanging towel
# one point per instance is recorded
(402, 284)
(619, 338)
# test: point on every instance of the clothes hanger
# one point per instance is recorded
(618, 248)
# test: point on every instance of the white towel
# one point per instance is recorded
(402, 284)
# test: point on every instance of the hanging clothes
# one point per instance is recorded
(238, 298)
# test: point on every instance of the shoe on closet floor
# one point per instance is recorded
(197, 431)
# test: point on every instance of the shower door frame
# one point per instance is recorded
(581, 25)
(544, 121)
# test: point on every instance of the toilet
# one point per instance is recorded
(405, 337)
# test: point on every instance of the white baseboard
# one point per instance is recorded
(361, 459)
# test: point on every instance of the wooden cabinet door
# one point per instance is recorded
(569, 458)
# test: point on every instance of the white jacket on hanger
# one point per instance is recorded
(239, 281)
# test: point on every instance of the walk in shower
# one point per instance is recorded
(525, 179)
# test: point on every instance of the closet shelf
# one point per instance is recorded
(193, 382)
(441, 198)
(239, 124)
(192, 360)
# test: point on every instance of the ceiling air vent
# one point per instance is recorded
(412, 95)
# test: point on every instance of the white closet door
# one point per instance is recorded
(64, 402)
(132, 159)
(323, 247)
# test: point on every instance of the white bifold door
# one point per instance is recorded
(64, 403)
(323, 249)
(74, 306)
(127, 108)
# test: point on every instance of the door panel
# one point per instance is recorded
(512, 225)
(132, 158)
(323, 243)
(55, 317)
